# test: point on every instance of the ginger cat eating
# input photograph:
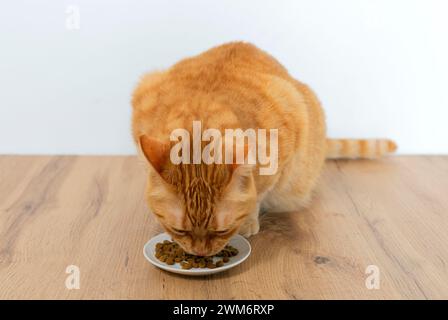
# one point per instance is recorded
(234, 85)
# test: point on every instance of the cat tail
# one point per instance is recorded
(359, 148)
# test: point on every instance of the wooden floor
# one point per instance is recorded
(90, 212)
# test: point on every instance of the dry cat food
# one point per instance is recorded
(170, 253)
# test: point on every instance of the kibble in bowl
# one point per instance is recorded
(168, 255)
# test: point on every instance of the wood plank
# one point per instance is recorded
(90, 212)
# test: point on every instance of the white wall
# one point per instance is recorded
(379, 67)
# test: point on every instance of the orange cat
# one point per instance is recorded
(234, 85)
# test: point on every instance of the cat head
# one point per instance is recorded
(200, 205)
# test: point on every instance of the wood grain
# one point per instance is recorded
(90, 212)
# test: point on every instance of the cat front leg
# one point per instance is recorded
(251, 226)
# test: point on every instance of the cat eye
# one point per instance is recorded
(222, 232)
(179, 232)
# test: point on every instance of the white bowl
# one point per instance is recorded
(237, 241)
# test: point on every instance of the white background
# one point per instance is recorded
(380, 68)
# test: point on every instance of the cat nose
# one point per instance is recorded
(201, 253)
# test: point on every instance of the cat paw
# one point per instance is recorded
(249, 228)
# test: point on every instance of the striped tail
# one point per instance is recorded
(359, 148)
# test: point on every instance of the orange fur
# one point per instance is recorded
(359, 148)
(234, 85)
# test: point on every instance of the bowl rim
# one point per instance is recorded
(195, 271)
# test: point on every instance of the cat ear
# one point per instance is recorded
(241, 180)
(247, 158)
(241, 184)
(238, 197)
(155, 151)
